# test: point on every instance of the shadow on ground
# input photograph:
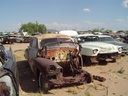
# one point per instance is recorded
(27, 81)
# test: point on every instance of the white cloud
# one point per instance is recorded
(120, 20)
(125, 3)
(87, 10)
(61, 26)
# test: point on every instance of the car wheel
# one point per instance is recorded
(113, 60)
(43, 85)
(87, 60)
(21, 41)
(89, 78)
(80, 61)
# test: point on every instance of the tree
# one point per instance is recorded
(1, 33)
(42, 28)
(32, 28)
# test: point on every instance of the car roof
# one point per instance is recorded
(69, 32)
(84, 35)
(45, 36)
(103, 35)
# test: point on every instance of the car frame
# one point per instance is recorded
(56, 61)
(9, 77)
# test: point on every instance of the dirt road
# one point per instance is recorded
(116, 83)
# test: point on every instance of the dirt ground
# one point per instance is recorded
(116, 75)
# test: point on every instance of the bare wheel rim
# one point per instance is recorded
(42, 84)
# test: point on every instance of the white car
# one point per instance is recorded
(111, 40)
(94, 51)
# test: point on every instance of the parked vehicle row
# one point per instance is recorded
(7, 39)
(57, 60)
(96, 48)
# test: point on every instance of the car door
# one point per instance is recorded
(33, 48)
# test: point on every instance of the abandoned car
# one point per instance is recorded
(9, 78)
(8, 38)
(111, 40)
(94, 51)
(55, 61)
(23, 39)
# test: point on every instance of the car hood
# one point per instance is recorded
(97, 44)
(124, 45)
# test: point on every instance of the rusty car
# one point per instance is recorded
(56, 61)
(9, 77)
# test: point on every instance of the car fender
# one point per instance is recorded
(88, 50)
(43, 65)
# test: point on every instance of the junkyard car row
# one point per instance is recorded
(57, 60)
(12, 38)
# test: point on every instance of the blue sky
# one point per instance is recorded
(64, 14)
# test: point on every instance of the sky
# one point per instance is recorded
(64, 14)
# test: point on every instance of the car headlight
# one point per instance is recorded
(120, 49)
(95, 51)
(51, 68)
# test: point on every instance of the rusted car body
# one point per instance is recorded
(9, 78)
(56, 61)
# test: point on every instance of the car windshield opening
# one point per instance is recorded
(57, 42)
(65, 42)
(88, 39)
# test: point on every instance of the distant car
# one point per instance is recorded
(7, 38)
(111, 40)
(94, 50)
(56, 61)
(1, 39)
(23, 39)
(9, 78)
(27, 39)
(20, 39)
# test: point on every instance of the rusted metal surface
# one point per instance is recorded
(4, 89)
(44, 36)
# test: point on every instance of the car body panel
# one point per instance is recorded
(9, 77)
(111, 40)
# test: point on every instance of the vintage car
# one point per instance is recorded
(9, 77)
(94, 50)
(8, 38)
(111, 40)
(55, 61)
(23, 39)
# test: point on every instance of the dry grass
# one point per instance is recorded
(19, 55)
